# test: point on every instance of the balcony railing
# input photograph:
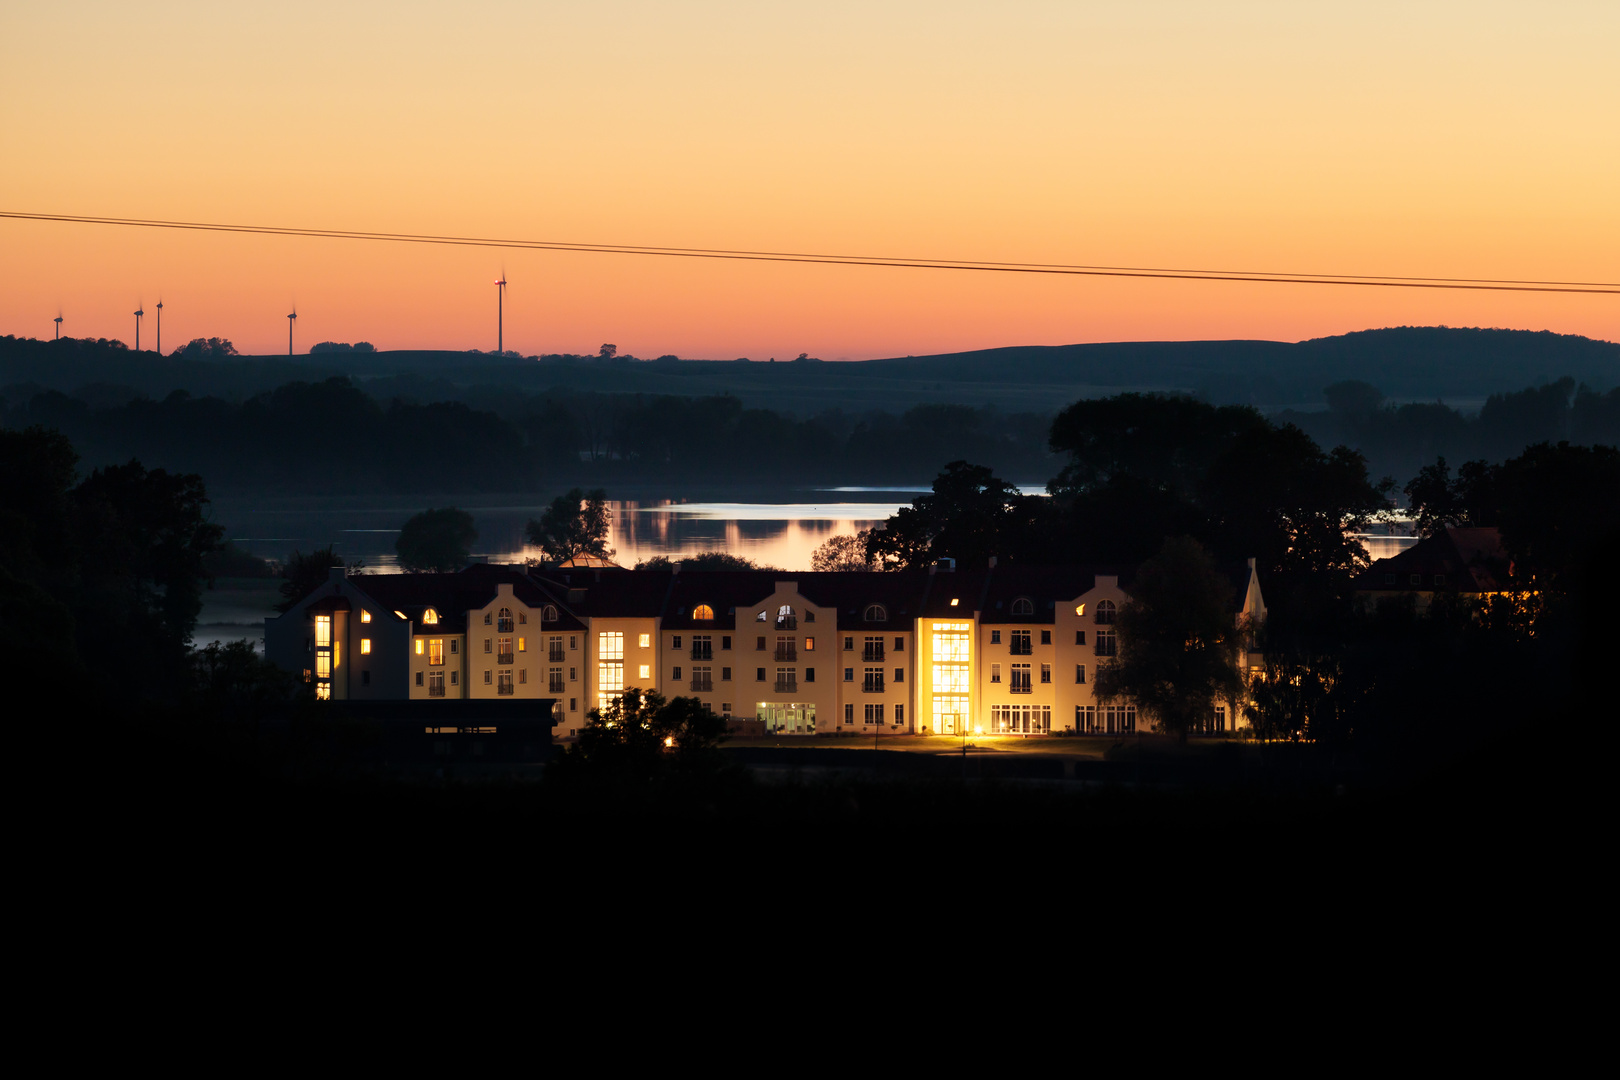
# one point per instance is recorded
(1021, 648)
(704, 685)
(504, 658)
(1020, 688)
(872, 654)
(435, 691)
(703, 652)
(555, 687)
(787, 686)
(505, 689)
(787, 622)
(786, 654)
(872, 686)
(556, 656)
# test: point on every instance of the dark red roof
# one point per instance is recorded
(1458, 559)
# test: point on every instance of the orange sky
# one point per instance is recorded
(1449, 139)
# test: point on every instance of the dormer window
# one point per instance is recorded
(1105, 612)
(875, 613)
(430, 617)
(702, 613)
(549, 613)
(365, 616)
(1022, 606)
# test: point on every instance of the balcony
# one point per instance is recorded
(787, 686)
(1020, 688)
(702, 685)
(703, 652)
(787, 654)
(556, 656)
(435, 691)
(872, 686)
(555, 687)
(504, 658)
(505, 689)
(872, 654)
(1021, 648)
(787, 622)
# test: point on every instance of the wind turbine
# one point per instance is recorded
(500, 314)
(138, 313)
(58, 324)
(291, 318)
(160, 328)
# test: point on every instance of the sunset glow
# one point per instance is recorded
(1444, 139)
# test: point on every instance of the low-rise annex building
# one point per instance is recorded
(1005, 650)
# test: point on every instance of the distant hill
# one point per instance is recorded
(1406, 363)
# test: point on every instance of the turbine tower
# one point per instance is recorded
(138, 313)
(160, 328)
(500, 314)
(58, 326)
(291, 318)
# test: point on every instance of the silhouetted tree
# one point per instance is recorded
(205, 349)
(1178, 640)
(574, 524)
(640, 737)
(436, 540)
(303, 574)
(845, 553)
(970, 515)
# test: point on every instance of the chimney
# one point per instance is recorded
(337, 573)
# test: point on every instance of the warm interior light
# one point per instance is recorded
(1080, 609)
(365, 616)
(430, 617)
(401, 614)
(669, 740)
(365, 646)
(953, 602)
(418, 646)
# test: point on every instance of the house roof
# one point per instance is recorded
(1463, 559)
(451, 596)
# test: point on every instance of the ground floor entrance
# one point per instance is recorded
(787, 718)
(1020, 719)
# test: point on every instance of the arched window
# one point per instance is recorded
(1022, 606)
(1105, 612)
(785, 619)
(430, 617)
(876, 613)
(503, 621)
(548, 613)
(703, 613)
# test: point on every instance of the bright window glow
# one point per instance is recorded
(610, 645)
(323, 665)
(1080, 609)
(610, 676)
(436, 651)
(646, 641)
(365, 616)
(646, 671)
(419, 646)
(430, 617)
(365, 646)
(323, 631)
(703, 613)
(400, 613)
(523, 645)
(953, 601)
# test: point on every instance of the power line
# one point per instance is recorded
(1259, 276)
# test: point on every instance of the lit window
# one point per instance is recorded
(523, 645)
(323, 631)
(702, 613)
(646, 671)
(953, 601)
(400, 613)
(645, 641)
(420, 646)
(1080, 610)
(365, 646)
(430, 617)
(809, 644)
(610, 645)
(436, 651)
(503, 621)
(365, 616)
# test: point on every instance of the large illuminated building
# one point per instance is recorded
(1008, 650)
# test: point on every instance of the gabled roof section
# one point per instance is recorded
(451, 596)
(1464, 559)
(607, 594)
(725, 591)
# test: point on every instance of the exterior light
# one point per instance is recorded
(978, 730)
(669, 740)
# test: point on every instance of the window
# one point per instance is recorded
(872, 681)
(849, 674)
(1105, 612)
(573, 704)
(809, 616)
(1019, 645)
(435, 685)
(874, 712)
(809, 674)
(489, 645)
(548, 613)
(1417, 579)
(759, 644)
(1389, 579)
(1079, 637)
(702, 679)
(676, 675)
(899, 644)
(503, 621)
(365, 616)
(1046, 673)
(703, 613)
(365, 646)
(759, 674)
(488, 619)
(1079, 673)
(899, 715)
(1020, 679)
(573, 674)
(554, 649)
(554, 681)
(1119, 719)
(725, 708)
(430, 617)
(421, 646)
(702, 647)
(787, 649)
(504, 685)
(675, 641)
(436, 652)
(1107, 644)
(455, 646)
(610, 664)
(899, 674)
(1022, 606)
(875, 613)
(995, 673)
(849, 714)
(787, 680)
(809, 644)
(645, 671)
(872, 650)
(610, 676)
(610, 645)
(725, 641)
(1085, 719)
(644, 641)
(573, 642)
(418, 678)
(503, 651)
(1439, 579)
(523, 620)
(1046, 637)
(523, 645)
(487, 676)
(1021, 719)
(365, 678)
(995, 637)
(725, 674)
